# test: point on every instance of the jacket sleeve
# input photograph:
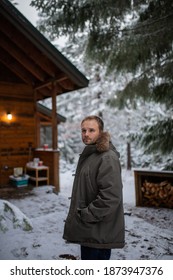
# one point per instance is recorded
(109, 195)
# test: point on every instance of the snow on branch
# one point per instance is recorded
(11, 216)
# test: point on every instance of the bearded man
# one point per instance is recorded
(96, 217)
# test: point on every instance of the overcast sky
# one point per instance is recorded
(29, 12)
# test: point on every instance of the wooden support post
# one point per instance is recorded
(37, 123)
(55, 139)
(54, 120)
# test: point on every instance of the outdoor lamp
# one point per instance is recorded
(9, 116)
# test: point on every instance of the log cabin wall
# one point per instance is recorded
(17, 137)
(31, 69)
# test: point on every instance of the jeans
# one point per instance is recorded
(88, 253)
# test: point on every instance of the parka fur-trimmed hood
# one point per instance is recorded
(102, 143)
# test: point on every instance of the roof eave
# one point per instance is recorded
(43, 44)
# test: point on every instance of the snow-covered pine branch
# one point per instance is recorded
(11, 216)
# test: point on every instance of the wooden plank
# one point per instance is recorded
(7, 88)
(16, 137)
(15, 67)
(8, 164)
(25, 45)
(21, 57)
(67, 84)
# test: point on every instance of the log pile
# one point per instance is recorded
(157, 194)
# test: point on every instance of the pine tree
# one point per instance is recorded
(128, 37)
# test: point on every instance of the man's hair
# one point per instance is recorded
(97, 119)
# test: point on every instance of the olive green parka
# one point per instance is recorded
(96, 217)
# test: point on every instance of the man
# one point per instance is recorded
(96, 219)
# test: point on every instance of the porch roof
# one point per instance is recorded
(46, 114)
(29, 62)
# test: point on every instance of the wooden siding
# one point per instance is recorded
(31, 69)
(17, 137)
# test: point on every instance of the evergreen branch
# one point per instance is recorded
(155, 137)
(143, 25)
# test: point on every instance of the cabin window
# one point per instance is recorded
(46, 136)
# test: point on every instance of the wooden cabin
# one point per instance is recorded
(31, 70)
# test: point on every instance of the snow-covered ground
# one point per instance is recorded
(149, 231)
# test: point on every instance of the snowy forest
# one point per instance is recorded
(118, 46)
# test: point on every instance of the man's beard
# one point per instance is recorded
(88, 141)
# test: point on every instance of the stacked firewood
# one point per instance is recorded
(157, 194)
